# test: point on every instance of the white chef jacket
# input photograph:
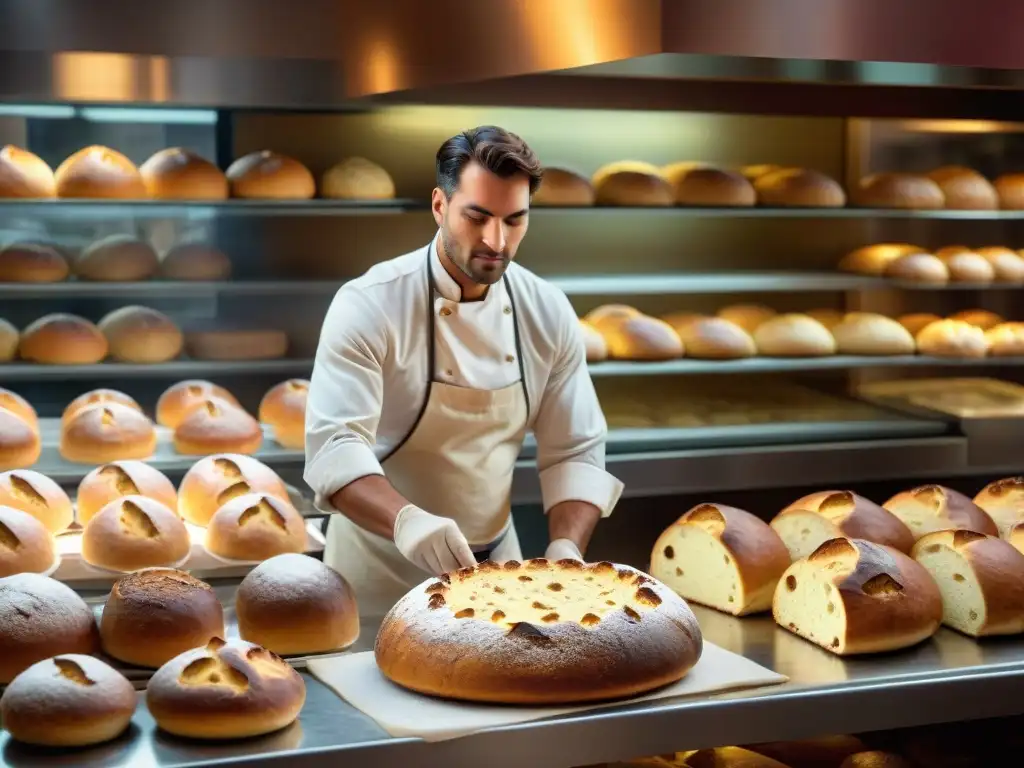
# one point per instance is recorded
(370, 378)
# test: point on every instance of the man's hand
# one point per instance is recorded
(563, 549)
(432, 543)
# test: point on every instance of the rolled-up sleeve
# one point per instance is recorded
(571, 430)
(345, 396)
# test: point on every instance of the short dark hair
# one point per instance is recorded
(499, 151)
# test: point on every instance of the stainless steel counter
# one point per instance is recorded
(946, 679)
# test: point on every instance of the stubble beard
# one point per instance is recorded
(464, 262)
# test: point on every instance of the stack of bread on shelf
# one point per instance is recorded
(987, 265)
(179, 174)
(856, 577)
(951, 187)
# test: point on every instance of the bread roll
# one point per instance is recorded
(270, 176)
(141, 335)
(794, 335)
(135, 532)
(642, 338)
(965, 188)
(898, 190)
(1008, 265)
(851, 596)
(97, 397)
(561, 186)
(810, 521)
(25, 544)
(217, 426)
(830, 318)
(917, 321)
(154, 614)
(875, 259)
(1010, 189)
(119, 479)
(61, 339)
(981, 579)
(918, 268)
(108, 432)
(631, 183)
(721, 557)
(283, 407)
(255, 526)
(195, 261)
(214, 481)
(609, 315)
(698, 184)
(118, 258)
(714, 338)
(24, 175)
(968, 267)
(19, 442)
(225, 690)
(799, 187)
(9, 338)
(930, 508)
(71, 700)
(179, 399)
(867, 333)
(32, 263)
(747, 316)
(356, 178)
(40, 618)
(601, 630)
(819, 752)
(19, 406)
(178, 174)
(982, 318)
(952, 338)
(1003, 501)
(99, 172)
(1006, 340)
(594, 346)
(236, 345)
(293, 604)
(39, 496)
(876, 759)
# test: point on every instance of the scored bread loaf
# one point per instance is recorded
(952, 338)
(135, 532)
(25, 544)
(981, 579)
(255, 527)
(270, 176)
(32, 263)
(867, 333)
(356, 178)
(1008, 265)
(700, 184)
(799, 187)
(141, 335)
(930, 508)
(97, 397)
(107, 432)
(851, 596)
(898, 190)
(20, 445)
(794, 335)
(503, 633)
(1005, 340)
(215, 480)
(982, 318)
(642, 338)
(810, 521)
(24, 174)
(965, 266)
(100, 172)
(19, 406)
(561, 186)
(746, 316)
(179, 399)
(283, 408)
(178, 174)
(915, 322)
(62, 339)
(965, 188)
(39, 496)
(217, 426)
(632, 183)
(721, 557)
(594, 345)
(195, 261)
(715, 338)
(118, 479)
(875, 259)
(1003, 501)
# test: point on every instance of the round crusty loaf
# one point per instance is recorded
(699, 184)
(97, 397)
(929, 508)
(608, 316)
(356, 178)
(952, 338)
(747, 316)
(71, 700)
(981, 579)
(107, 432)
(916, 322)
(40, 618)
(141, 335)
(179, 399)
(642, 338)
(270, 176)
(812, 520)
(965, 266)
(918, 268)
(294, 604)
(799, 187)
(283, 407)
(593, 342)
(153, 615)
(561, 186)
(62, 339)
(195, 261)
(25, 544)
(794, 335)
(965, 188)
(867, 333)
(32, 263)
(20, 445)
(135, 532)
(1008, 264)
(715, 338)
(225, 690)
(118, 258)
(24, 175)
(1010, 188)
(99, 172)
(851, 596)
(217, 426)
(630, 182)
(538, 632)
(19, 406)
(39, 496)
(898, 190)
(255, 527)
(982, 318)
(178, 174)
(118, 479)
(875, 259)
(1003, 501)
(9, 338)
(214, 481)
(721, 557)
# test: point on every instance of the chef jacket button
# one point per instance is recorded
(445, 311)
(510, 358)
(508, 310)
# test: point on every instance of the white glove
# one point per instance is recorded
(432, 543)
(563, 549)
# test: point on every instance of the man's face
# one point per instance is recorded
(483, 222)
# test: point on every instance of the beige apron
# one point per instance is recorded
(457, 462)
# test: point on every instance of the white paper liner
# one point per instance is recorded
(101, 571)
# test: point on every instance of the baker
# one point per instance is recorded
(430, 370)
